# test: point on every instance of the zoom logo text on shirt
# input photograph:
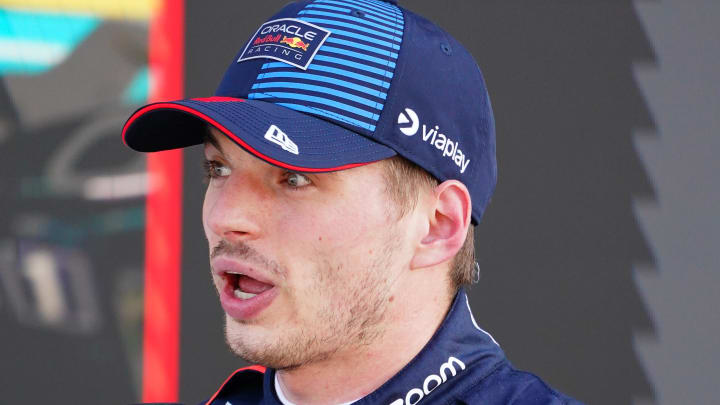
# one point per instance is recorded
(431, 382)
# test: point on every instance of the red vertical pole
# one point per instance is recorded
(163, 228)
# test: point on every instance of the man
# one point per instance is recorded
(349, 149)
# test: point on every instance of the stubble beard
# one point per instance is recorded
(350, 318)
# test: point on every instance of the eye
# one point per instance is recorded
(215, 169)
(297, 180)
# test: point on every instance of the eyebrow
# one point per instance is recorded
(208, 137)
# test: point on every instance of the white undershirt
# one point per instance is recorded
(285, 401)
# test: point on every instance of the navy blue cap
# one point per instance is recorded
(327, 85)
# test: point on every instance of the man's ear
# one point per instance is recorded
(448, 217)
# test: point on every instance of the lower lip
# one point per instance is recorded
(241, 309)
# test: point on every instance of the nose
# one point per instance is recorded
(233, 211)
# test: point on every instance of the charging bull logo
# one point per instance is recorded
(295, 42)
(288, 40)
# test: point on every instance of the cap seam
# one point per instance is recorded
(335, 115)
(396, 20)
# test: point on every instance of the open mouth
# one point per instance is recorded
(244, 291)
(245, 287)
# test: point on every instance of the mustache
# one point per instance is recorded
(241, 250)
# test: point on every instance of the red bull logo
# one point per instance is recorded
(295, 42)
(267, 39)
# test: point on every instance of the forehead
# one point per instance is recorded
(213, 137)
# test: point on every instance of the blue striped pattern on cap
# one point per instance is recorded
(348, 80)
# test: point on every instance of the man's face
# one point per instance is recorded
(317, 256)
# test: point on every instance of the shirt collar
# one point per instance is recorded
(283, 399)
(459, 347)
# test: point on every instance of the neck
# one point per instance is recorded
(353, 373)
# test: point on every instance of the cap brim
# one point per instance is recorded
(309, 144)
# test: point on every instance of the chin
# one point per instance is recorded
(267, 347)
(247, 340)
(245, 330)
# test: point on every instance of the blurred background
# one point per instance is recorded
(599, 253)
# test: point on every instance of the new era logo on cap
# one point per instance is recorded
(278, 137)
(288, 40)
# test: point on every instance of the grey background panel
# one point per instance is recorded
(683, 223)
(560, 242)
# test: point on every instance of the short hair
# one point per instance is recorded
(404, 180)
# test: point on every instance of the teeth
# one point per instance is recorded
(232, 272)
(242, 294)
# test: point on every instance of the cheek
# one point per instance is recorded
(331, 226)
(207, 204)
(340, 236)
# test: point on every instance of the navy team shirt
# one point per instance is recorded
(461, 364)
